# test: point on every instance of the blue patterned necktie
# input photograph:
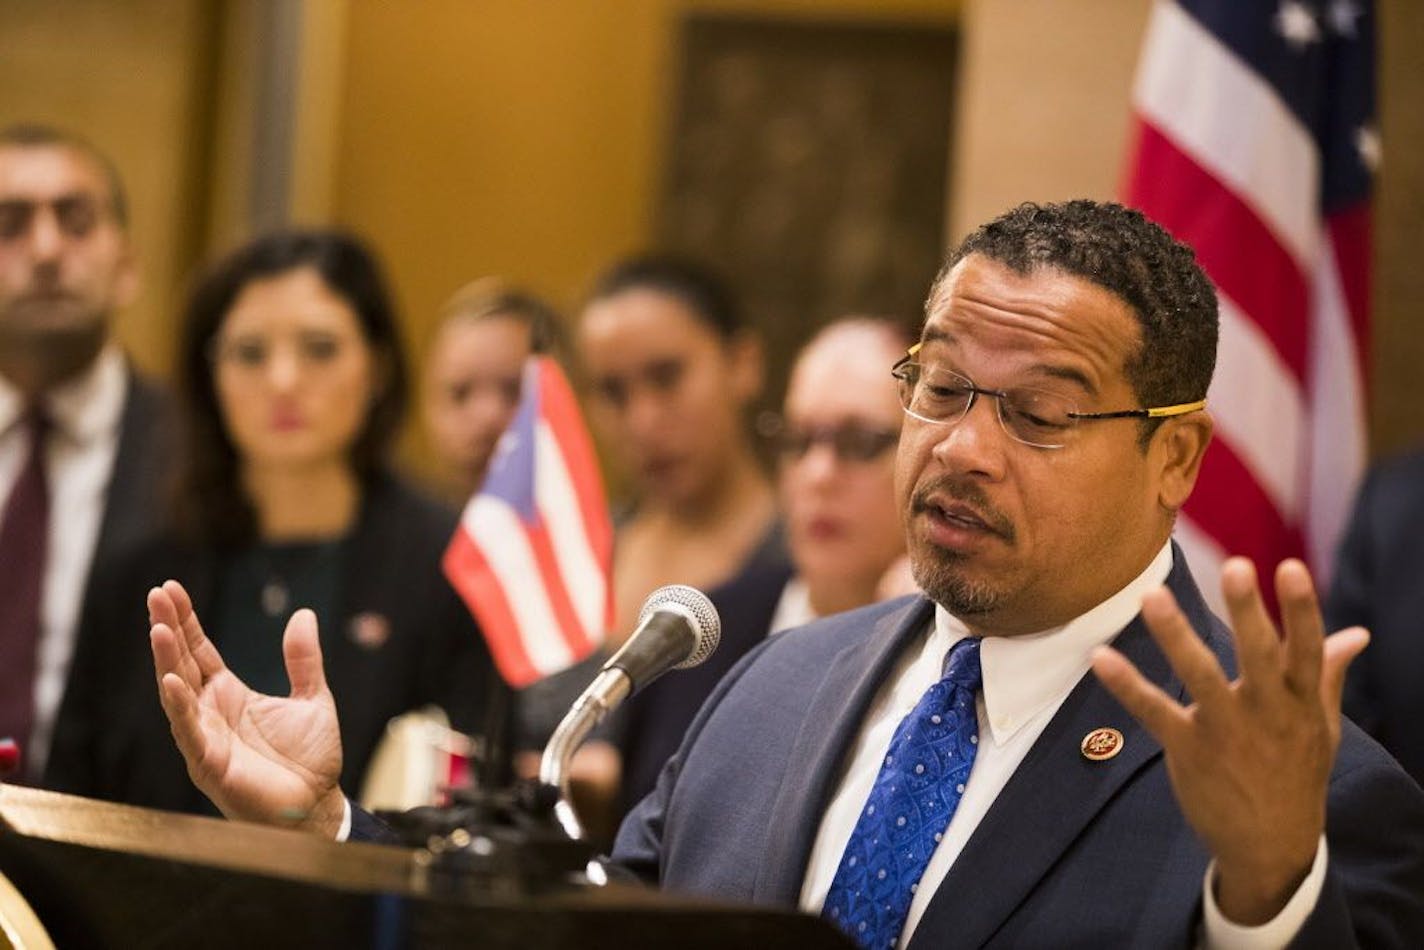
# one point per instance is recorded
(910, 804)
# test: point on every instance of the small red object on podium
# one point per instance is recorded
(9, 756)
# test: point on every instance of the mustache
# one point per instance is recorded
(967, 492)
(45, 286)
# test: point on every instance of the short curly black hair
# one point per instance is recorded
(1123, 252)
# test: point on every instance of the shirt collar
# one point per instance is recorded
(1023, 675)
(83, 408)
(793, 609)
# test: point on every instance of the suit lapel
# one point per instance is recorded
(831, 723)
(1055, 793)
(133, 501)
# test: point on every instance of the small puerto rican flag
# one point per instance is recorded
(532, 557)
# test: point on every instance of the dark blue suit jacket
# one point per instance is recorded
(1073, 853)
(1379, 584)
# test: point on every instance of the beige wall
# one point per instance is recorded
(1398, 411)
(521, 139)
(1043, 104)
(135, 77)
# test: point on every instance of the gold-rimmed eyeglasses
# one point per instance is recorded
(1036, 417)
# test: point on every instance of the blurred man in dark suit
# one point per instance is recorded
(1379, 584)
(79, 431)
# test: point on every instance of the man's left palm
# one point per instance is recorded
(1249, 759)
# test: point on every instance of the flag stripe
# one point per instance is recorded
(1242, 257)
(1339, 425)
(1350, 243)
(574, 564)
(580, 460)
(1259, 408)
(1230, 120)
(557, 594)
(513, 561)
(1239, 515)
(583, 474)
(472, 577)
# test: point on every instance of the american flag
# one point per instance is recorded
(1256, 145)
(533, 554)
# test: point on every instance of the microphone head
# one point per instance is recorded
(701, 616)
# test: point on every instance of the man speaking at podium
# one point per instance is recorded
(943, 771)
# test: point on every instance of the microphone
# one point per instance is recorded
(677, 628)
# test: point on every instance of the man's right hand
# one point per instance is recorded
(258, 758)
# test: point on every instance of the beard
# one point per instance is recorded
(44, 307)
(59, 321)
(942, 577)
(945, 576)
(49, 340)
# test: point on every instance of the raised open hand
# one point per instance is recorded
(259, 758)
(1250, 758)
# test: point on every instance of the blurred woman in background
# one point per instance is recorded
(674, 367)
(293, 385)
(836, 442)
(474, 366)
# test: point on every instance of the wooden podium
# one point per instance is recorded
(103, 875)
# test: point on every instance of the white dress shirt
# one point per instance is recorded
(793, 608)
(1026, 679)
(85, 414)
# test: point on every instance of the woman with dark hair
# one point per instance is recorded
(293, 385)
(674, 367)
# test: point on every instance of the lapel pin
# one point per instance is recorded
(1102, 744)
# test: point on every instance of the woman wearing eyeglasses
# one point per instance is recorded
(293, 385)
(836, 441)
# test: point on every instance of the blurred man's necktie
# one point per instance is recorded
(24, 537)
